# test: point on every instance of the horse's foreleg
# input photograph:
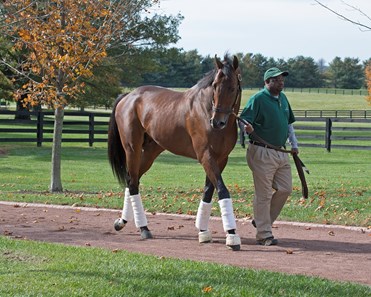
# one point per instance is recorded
(233, 240)
(127, 212)
(213, 172)
(204, 213)
(140, 218)
(229, 224)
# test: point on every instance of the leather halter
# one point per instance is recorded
(228, 110)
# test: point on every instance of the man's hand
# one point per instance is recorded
(295, 151)
(248, 128)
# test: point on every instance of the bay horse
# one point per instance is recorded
(199, 123)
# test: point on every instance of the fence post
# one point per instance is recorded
(328, 134)
(40, 128)
(91, 129)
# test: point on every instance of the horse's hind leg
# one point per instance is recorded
(148, 153)
(140, 217)
(127, 212)
(204, 213)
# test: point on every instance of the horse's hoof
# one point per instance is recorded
(233, 242)
(146, 234)
(119, 224)
(204, 236)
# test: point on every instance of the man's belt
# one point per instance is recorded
(262, 144)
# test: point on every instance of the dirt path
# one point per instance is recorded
(333, 252)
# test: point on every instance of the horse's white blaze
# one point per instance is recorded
(203, 216)
(127, 210)
(140, 218)
(226, 209)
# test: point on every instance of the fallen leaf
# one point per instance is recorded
(87, 244)
(331, 233)
(289, 251)
(319, 208)
(171, 228)
(207, 289)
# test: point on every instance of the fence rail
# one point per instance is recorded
(326, 129)
(360, 92)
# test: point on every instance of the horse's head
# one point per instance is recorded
(226, 92)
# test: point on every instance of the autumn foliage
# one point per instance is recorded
(61, 40)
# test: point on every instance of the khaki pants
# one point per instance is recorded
(273, 184)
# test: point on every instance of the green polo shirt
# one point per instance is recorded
(269, 116)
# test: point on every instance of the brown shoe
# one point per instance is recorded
(267, 241)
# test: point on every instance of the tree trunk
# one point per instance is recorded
(56, 181)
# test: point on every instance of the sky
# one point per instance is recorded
(274, 28)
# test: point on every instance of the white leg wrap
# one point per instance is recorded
(139, 215)
(127, 210)
(226, 209)
(233, 240)
(203, 216)
(205, 236)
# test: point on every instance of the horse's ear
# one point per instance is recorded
(218, 63)
(235, 62)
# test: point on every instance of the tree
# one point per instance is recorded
(14, 80)
(254, 66)
(368, 80)
(305, 73)
(63, 41)
(6, 85)
(102, 88)
(176, 68)
(346, 74)
(342, 16)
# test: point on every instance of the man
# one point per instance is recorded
(269, 114)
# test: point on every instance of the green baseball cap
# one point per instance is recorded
(273, 72)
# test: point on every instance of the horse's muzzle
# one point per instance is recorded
(219, 123)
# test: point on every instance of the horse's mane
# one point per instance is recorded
(209, 77)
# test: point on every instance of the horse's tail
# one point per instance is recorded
(116, 153)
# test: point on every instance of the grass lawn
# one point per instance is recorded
(43, 269)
